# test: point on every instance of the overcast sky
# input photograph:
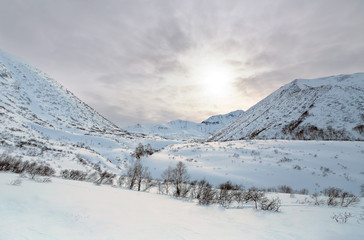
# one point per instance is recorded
(157, 61)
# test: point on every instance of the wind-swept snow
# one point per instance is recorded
(83, 210)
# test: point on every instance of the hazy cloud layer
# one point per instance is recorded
(135, 61)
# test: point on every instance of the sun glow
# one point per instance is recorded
(215, 78)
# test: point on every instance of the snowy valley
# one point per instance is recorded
(298, 143)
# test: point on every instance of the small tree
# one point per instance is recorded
(167, 177)
(180, 176)
(144, 175)
(137, 173)
(134, 171)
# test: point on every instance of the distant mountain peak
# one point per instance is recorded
(181, 129)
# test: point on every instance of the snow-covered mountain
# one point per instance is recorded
(329, 108)
(42, 121)
(181, 129)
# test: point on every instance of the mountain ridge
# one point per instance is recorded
(182, 129)
(328, 108)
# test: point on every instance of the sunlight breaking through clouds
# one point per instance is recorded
(156, 61)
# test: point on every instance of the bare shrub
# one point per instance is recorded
(342, 217)
(266, 204)
(74, 175)
(332, 194)
(105, 177)
(142, 150)
(254, 195)
(303, 191)
(347, 199)
(316, 199)
(47, 180)
(226, 193)
(284, 189)
(122, 180)
(206, 194)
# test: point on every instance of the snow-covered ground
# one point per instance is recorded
(313, 165)
(35, 210)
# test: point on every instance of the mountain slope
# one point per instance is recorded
(41, 121)
(330, 108)
(180, 129)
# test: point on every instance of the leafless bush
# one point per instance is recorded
(74, 175)
(337, 197)
(254, 195)
(266, 204)
(206, 194)
(303, 191)
(347, 199)
(8, 163)
(105, 177)
(284, 189)
(342, 217)
(316, 199)
(122, 180)
(142, 150)
(46, 180)
(226, 193)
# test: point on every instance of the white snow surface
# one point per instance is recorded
(313, 165)
(35, 210)
(186, 130)
(329, 108)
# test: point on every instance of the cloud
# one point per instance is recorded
(129, 59)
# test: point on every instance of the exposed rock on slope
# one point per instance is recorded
(330, 108)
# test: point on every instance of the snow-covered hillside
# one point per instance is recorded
(330, 108)
(41, 121)
(180, 129)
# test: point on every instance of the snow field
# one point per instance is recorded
(313, 165)
(64, 209)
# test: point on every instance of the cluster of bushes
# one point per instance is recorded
(11, 164)
(337, 197)
(142, 150)
(98, 177)
(176, 182)
(334, 197)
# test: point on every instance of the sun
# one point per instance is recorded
(215, 77)
(211, 75)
